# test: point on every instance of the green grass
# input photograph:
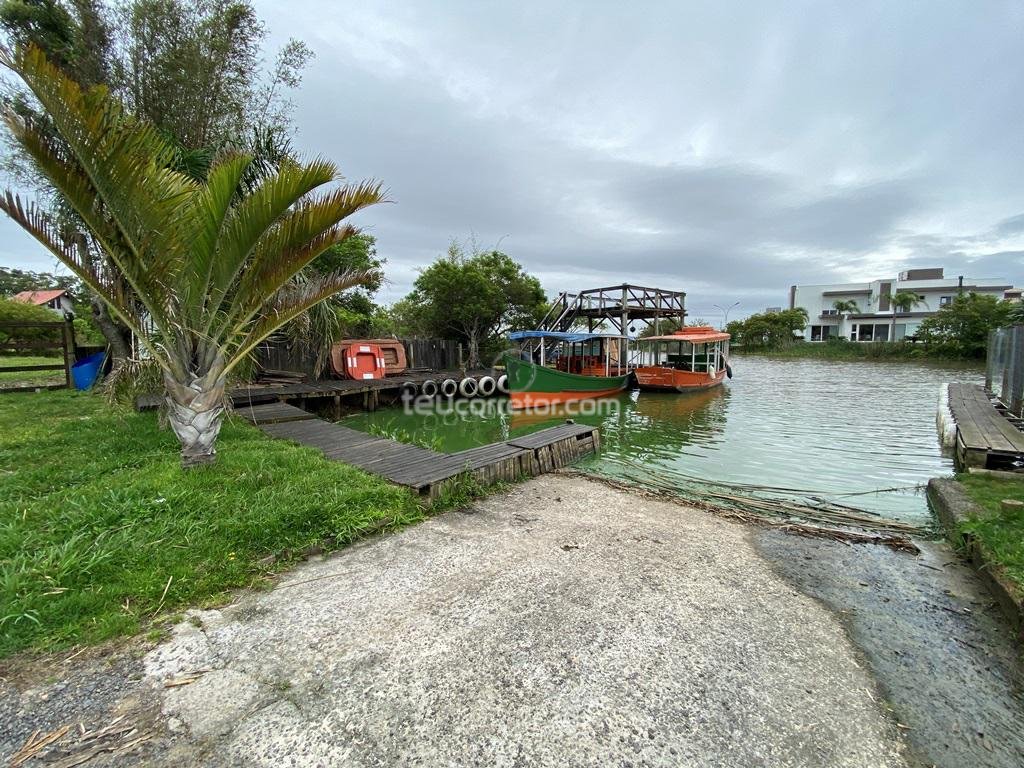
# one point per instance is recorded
(101, 531)
(851, 350)
(1002, 533)
(29, 378)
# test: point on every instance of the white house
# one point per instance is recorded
(872, 320)
(58, 300)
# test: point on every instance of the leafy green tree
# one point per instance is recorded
(902, 301)
(476, 299)
(14, 281)
(846, 306)
(211, 266)
(768, 330)
(20, 312)
(961, 327)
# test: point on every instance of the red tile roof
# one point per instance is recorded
(39, 297)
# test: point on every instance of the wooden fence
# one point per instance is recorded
(37, 339)
(1004, 371)
(430, 354)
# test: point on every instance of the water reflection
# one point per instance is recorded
(830, 427)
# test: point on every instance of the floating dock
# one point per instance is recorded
(427, 472)
(986, 436)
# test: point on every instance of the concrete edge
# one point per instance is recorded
(953, 506)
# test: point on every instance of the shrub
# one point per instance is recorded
(25, 340)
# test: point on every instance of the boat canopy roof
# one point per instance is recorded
(695, 334)
(562, 336)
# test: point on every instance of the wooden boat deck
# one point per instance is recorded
(425, 471)
(984, 435)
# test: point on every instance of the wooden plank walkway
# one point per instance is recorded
(272, 413)
(425, 471)
(983, 434)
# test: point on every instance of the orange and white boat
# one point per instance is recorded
(390, 354)
(692, 358)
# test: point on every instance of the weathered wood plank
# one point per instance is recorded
(270, 413)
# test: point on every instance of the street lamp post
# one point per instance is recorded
(725, 312)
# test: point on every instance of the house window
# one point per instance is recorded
(944, 300)
(870, 332)
(821, 332)
(830, 312)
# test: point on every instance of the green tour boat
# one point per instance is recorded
(559, 367)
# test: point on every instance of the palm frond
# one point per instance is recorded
(35, 221)
(259, 212)
(291, 301)
(298, 238)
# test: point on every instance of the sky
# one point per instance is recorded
(727, 149)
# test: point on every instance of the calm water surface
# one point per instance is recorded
(824, 427)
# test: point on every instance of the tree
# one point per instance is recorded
(352, 313)
(14, 281)
(210, 264)
(961, 327)
(768, 330)
(902, 301)
(191, 68)
(476, 299)
(21, 312)
(846, 306)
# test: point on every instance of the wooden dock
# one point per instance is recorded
(425, 471)
(985, 435)
(323, 389)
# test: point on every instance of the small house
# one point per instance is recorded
(57, 299)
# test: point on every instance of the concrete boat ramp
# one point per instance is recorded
(563, 623)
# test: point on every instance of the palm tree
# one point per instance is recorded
(902, 301)
(845, 306)
(211, 263)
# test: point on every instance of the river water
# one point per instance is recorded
(843, 431)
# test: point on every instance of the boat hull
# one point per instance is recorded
(531, 385)
(661, 379)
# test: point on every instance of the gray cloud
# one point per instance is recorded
(728, 150)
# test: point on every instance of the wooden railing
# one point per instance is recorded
(20, 338)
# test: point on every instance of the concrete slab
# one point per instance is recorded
(563, 623)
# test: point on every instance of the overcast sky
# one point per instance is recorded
(728, 149)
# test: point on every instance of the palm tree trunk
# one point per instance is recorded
(115, 334)
(195, 410)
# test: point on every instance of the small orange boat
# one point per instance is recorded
(689, 359)
(392, 356)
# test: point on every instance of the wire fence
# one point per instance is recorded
(1004, 372)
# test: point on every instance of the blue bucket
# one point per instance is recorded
(86, 370)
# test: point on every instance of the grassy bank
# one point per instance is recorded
(101, 531)
(850, 350)
(1002, 533)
